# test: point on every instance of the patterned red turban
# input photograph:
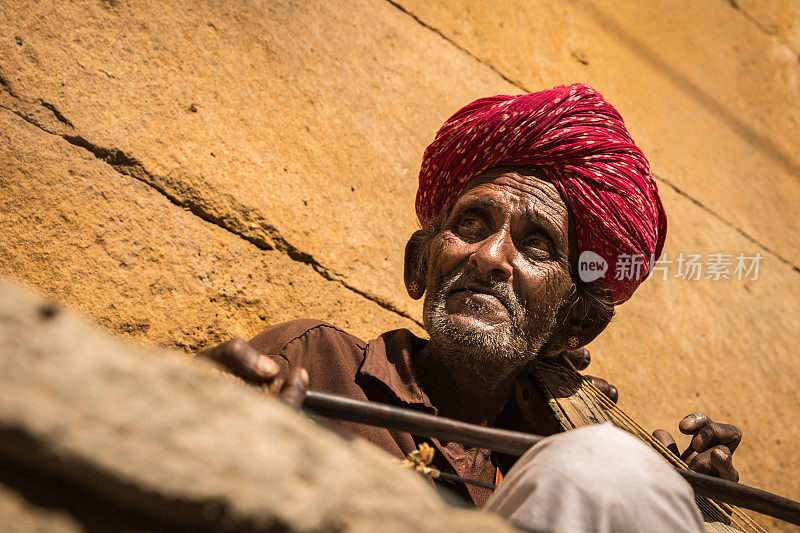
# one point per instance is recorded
(580, 142)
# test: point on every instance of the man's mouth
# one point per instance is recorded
(480, 292)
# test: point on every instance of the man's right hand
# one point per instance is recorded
(242, 360)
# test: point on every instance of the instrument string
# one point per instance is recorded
(710, 509)
(713, 509)
(631, 426)
(719, 511)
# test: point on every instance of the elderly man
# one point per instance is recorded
(511, 191)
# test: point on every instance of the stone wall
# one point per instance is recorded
(188, 171)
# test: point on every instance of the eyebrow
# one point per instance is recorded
(482, 201)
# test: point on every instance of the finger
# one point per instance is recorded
(579, 358)
(274, 386)
(702, 463)
(722, 462)
(294, 389)
(613, 393)
(605, 387)
(688, 454)
(714, 434)
(239, 358)
(693, 423)
(665, 437)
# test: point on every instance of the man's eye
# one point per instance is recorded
(471, 226)
(537, 243)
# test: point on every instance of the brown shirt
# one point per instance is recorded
(381, 371)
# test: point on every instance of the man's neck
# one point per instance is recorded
(471, 393)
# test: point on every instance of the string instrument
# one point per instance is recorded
(576, 402)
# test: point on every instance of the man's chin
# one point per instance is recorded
(461, 331)
(470, 324)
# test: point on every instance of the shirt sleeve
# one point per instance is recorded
(331, 356)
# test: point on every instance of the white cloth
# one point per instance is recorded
(599, 479)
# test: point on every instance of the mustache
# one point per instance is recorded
(474, 281)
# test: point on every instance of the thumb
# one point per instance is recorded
(665, 437)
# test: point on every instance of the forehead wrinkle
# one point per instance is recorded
(546, 196)
(542, 214)
(541, 208)
(477, 200)
(522, 184)
(520, 196)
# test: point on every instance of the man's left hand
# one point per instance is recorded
(580, 359)
(712, 446)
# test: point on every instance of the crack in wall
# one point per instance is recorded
(56, 113)
(441, 34)
(129, 166)
(523, 88)
(7, 86)
(761, 27)
(727, 223)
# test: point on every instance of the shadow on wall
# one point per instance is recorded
(705, 99)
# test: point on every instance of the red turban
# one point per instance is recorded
(580, 142)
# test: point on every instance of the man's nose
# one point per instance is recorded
(493, 256)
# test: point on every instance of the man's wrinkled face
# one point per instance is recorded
(499, 268)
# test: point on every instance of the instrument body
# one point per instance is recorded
(575, 402)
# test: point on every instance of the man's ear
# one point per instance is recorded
(413, 278)
(583, 322)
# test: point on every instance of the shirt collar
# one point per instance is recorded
(389, 360)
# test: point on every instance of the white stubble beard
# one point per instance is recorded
(499, 349)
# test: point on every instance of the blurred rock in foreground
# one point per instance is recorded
(99, 434)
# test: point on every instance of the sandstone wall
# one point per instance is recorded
(188, 171)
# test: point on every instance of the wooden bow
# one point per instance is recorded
(517, 443)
